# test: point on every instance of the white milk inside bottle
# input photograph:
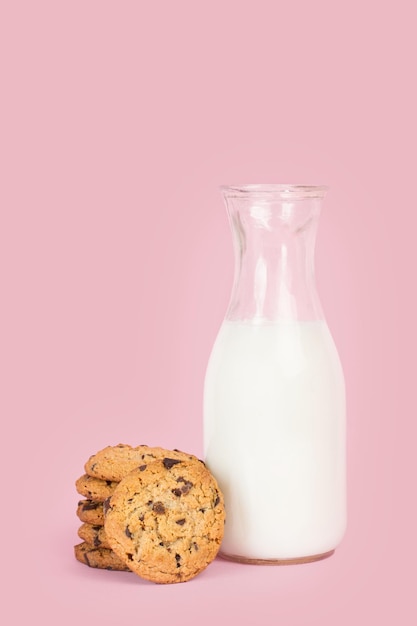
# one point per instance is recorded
(274, 406)
(274, 394)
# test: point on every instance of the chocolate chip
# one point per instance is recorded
(161, 543)
(106, 505)
(186, 487)
(195, 546)
(142, 467)
(108, 482)
(159, 508)
(176, 492)
(217, 500)
(90, 505)
(149, 502)
(128, 533)
(202, 510)
(180, 522)
(141, 517)
(97, 541)
(178, 559)
(97, 528)
(168, 463)
(129, 556)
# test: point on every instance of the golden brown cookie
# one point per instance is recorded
(165, 520)
(95, 488)
(114, 462)
(91, 512)
(98, 557)
(94, 535)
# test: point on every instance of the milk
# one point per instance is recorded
(274, 436)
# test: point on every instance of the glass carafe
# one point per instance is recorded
(274, 393)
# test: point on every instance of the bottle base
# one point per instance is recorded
(294, 561)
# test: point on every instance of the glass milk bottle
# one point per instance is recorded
(274, 393)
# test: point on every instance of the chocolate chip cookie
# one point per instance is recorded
(95, 488)
(102, 558)
(114, 462)
(91, 512)
(94, 535)
(165, 520)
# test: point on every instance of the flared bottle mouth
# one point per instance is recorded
(272, 191)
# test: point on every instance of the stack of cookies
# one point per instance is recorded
(156, 512)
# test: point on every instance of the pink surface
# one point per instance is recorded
(119, 120)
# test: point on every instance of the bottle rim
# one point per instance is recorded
(272, 190)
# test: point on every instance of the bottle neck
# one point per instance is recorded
(274, 244)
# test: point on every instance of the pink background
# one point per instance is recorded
(119, 120)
